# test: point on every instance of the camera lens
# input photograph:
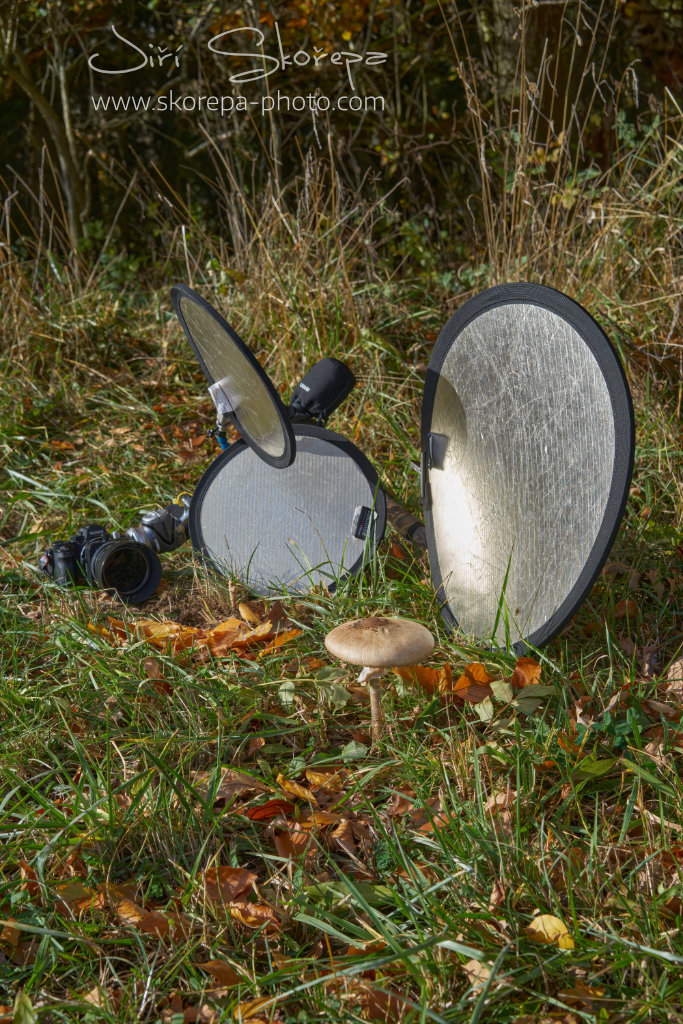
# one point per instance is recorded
(129, 568)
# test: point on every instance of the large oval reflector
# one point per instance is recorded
(527, 442)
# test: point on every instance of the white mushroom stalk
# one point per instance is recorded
(379, 643)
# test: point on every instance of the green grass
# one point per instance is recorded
(98, 764)
(99, 769)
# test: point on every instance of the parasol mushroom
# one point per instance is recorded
(378, 643)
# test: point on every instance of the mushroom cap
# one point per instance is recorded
(379, 642)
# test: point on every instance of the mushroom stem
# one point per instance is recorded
(378, 722)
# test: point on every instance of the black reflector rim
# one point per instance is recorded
(624, 436)
(183, 291)
(302, 430)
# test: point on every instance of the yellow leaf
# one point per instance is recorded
(295, 789)
(550, 930)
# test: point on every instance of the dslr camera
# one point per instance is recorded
(125, 563)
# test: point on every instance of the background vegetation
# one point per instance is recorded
(139, 878)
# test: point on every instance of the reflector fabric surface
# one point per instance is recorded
(223, 356)
(287, 529)
(531, 457)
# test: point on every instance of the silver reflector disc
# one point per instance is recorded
(288, 529)
(256, 408)
(527, 441)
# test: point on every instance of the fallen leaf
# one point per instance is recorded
(431, 680)
(295, 789)
(625, 608)
(401, 801)
(477, 973)
(583, 996)
(497, 897)
(333, 780)
(29, 879)
(271, 809)
(549, 930)
(255, 915)
(473, 684)
(526, 672)
(73, 897)
(245, 1012)
(222, 972)
(280, 640)
(341, 838)
(232, 784)
(251, 611)
(225, 884)
(674, 679)
(255, 743)
(10, 934)
(291, 844)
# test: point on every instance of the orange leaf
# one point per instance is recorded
(29, 879)
(225, 884)
(222, 972)
(271, 809)
(431, 680)
(625, 608)
(473, 685)
(526, 673)
(279, 641)
(255, 915)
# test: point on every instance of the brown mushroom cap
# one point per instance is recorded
(379, 642)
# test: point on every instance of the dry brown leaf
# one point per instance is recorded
(103, 999)
(498, 807)
(222, 972)
(473, 684)
(245, 1012)
(155, 923)
(279, 641)
(477, 973)
(130, 912)
(295, 789)
(423, 677)
(527, 672)
(271, 809)
(29, 879)
(232, 784)
(497, 897)
(255, 743)
(341, 839)
(674, 679)
(625, 608)
(255, 915)
(252, 612)
(319, 819)
(334, 780)
(225, 884)
(73, 897)
(293, 843)
(381, 1005)
(10, 934)
(401, 801)
(549, 930)
(583, 996)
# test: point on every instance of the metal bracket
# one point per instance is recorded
(220, 395)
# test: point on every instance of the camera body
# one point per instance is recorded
(93, 555)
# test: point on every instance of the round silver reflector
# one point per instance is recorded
(288, 529)
(527, 442)
(244, 387)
